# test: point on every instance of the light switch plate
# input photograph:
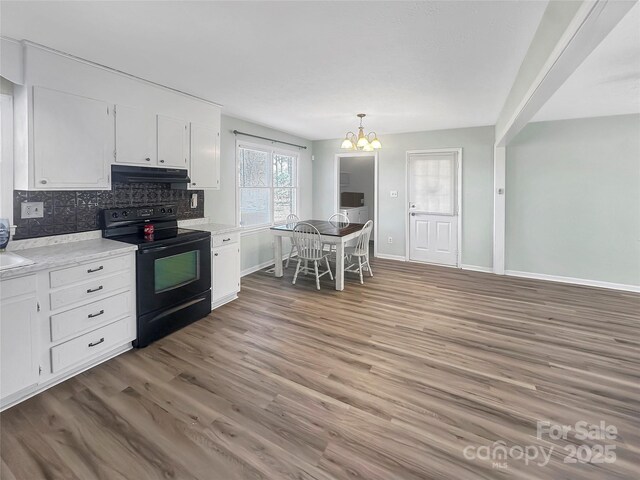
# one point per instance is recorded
(394, 193)
(31, 210)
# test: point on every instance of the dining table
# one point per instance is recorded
(331, 232)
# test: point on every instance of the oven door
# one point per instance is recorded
(168, 275)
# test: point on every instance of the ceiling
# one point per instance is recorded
(305, 67)
(607, 82)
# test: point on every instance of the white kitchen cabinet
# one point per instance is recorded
(204, 165)
(225, 268)
(72, 141)
(356, 214)
(172, 142)
(18, 339)
(135, 136)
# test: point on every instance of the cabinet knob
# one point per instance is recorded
(148, 159)
(194, 184)
(43, 182)
(215, 254)
(161, 161)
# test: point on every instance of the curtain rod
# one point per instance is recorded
(236, 132)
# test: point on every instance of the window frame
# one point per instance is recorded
(272, 151)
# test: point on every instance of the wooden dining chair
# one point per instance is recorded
(361, 251)
(308, 242)
(337, 219)
(292, 219)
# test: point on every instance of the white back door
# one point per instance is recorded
(433, 210)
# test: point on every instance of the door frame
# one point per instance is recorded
(458, 152)
(336, 184)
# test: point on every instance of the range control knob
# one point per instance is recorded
(162, 210)
(125, 213)
(114, 215)
(170, 210)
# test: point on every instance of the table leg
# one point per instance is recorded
(340, 266)
(277, 242)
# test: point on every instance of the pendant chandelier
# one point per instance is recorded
(361, 141)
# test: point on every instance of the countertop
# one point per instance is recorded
(66, 254)
(214, 228)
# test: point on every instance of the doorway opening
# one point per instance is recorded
(356, 187)
(434, 208)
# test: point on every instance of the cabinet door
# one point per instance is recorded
(135, 136)
(172, 142)
(226, 271)
(204, 169)
(72, 141)
(18, 366)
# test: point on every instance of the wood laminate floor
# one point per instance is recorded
(390, 380)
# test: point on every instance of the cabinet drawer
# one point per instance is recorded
(17, 286)
(225, 239)
(87, 271)
(92, 344)
(89, 316)
(89, 290)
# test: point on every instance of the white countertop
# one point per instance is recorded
(66, 254)
(204, 224)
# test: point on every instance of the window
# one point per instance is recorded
(268, 185)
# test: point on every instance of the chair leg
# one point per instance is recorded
(290, 254)
(360, 269)
(326, 259)
(295, 277)
(315, 266)
(369, 267)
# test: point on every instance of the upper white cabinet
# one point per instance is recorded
(135, 136)
(204, 166)
(172, 142)
(71, 141)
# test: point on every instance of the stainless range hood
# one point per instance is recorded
(177, 177)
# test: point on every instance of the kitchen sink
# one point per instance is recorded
(11, 260)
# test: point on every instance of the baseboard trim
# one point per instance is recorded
(574, 281)
(386, 256)
(476, 268)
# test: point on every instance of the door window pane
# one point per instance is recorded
(176, 270)
(254, 206)
(432, 183)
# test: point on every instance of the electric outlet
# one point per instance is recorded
(390, 240)
(194, 200)
(31, 210)
(393, 194)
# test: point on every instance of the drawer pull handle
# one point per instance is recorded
(91, 270)
(226, 239)
(94, 315)
(215, 254)
(91, 290)
(93, 344)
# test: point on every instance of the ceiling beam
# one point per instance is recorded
(568, 32)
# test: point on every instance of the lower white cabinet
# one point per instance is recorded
(57, 323)
(356, 214)
(18, 338)
(225, 268)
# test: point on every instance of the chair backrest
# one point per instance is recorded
(362, 244)
(292, 219)
(308, 241)
(339, 218)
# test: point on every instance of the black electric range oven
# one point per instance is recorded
(173, 268)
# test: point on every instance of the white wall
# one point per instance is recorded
(477, 186)
(221, 206)
(573, 199)
(361, 172)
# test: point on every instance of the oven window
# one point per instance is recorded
(176, 270)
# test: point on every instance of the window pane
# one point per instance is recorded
(284, 174)
(254, 207)
(284, 203)
(254, 168)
